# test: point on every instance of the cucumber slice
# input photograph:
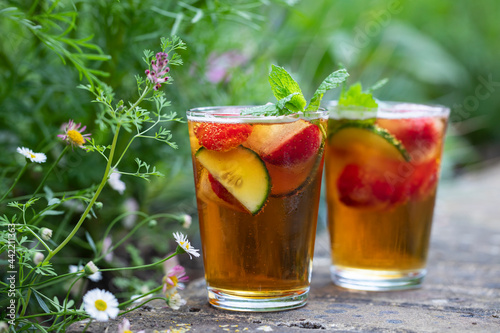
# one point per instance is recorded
(241, 172)
(369, 135)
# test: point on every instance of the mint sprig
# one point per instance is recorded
(356, 97)
(332, 81)
(289, 95)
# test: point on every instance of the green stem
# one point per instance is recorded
(144, 93)
(94, 198)
(139, 267)
(131, 232)
(56, 194)
(28, 295)
(81, 313)
(133, 300)
(50, 170)
(86, 326)
(15, 181)
(38, 237)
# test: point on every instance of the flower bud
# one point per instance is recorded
(38, 257)
(186, 221)
(91, 268)
(46, 233)
(152, 223)
(98, 205)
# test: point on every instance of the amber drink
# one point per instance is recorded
(382, 169)
(257, 187)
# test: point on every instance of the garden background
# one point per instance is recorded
(432, 52)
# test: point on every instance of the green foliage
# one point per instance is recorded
(354, 96)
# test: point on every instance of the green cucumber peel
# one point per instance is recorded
(371, 127)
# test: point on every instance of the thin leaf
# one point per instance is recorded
(42, 303)
(91, 242)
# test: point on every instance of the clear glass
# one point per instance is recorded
(380, 205)
(257, 247)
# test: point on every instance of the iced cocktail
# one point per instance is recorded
(382, 169)
(257, 184)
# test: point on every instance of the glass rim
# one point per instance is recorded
(224, 112)
(396, 107)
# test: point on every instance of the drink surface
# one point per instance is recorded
(380, 206)
(257, 243)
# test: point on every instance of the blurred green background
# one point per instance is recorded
(433, 51)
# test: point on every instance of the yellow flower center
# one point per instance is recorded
(75, 137)
(100, 305)
(32, 155)
(175, 280)
(184, 244)
(127, 331)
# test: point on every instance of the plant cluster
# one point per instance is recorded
(32, 248)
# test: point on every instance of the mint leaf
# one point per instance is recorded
(270, 109)
(283, 102)
(356, 97)
(261, 110)
(332, 81)
(284, 85)
(378, 85)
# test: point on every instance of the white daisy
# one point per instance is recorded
(96, 277)
(33, 157)
(130, 205)
(185, 245)
(115, 182)
(100, 304)
(175, 301)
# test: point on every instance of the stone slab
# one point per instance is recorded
(461, 292)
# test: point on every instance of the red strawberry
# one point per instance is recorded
(368, 187)
(222, 137)
(424, 179)
(286, 144)
(420, 136)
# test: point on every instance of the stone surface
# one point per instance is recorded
(461, 292)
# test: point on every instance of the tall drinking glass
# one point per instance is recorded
(257, 184)
(382, 169)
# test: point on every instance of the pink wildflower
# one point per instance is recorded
(173, 279)
(159, 71)
(73, 134)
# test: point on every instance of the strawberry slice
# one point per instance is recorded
(368, 187)
(222, 137)
(420, 136)
(424, 179)
(286, 144)
(223, 193)
(207, 188)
